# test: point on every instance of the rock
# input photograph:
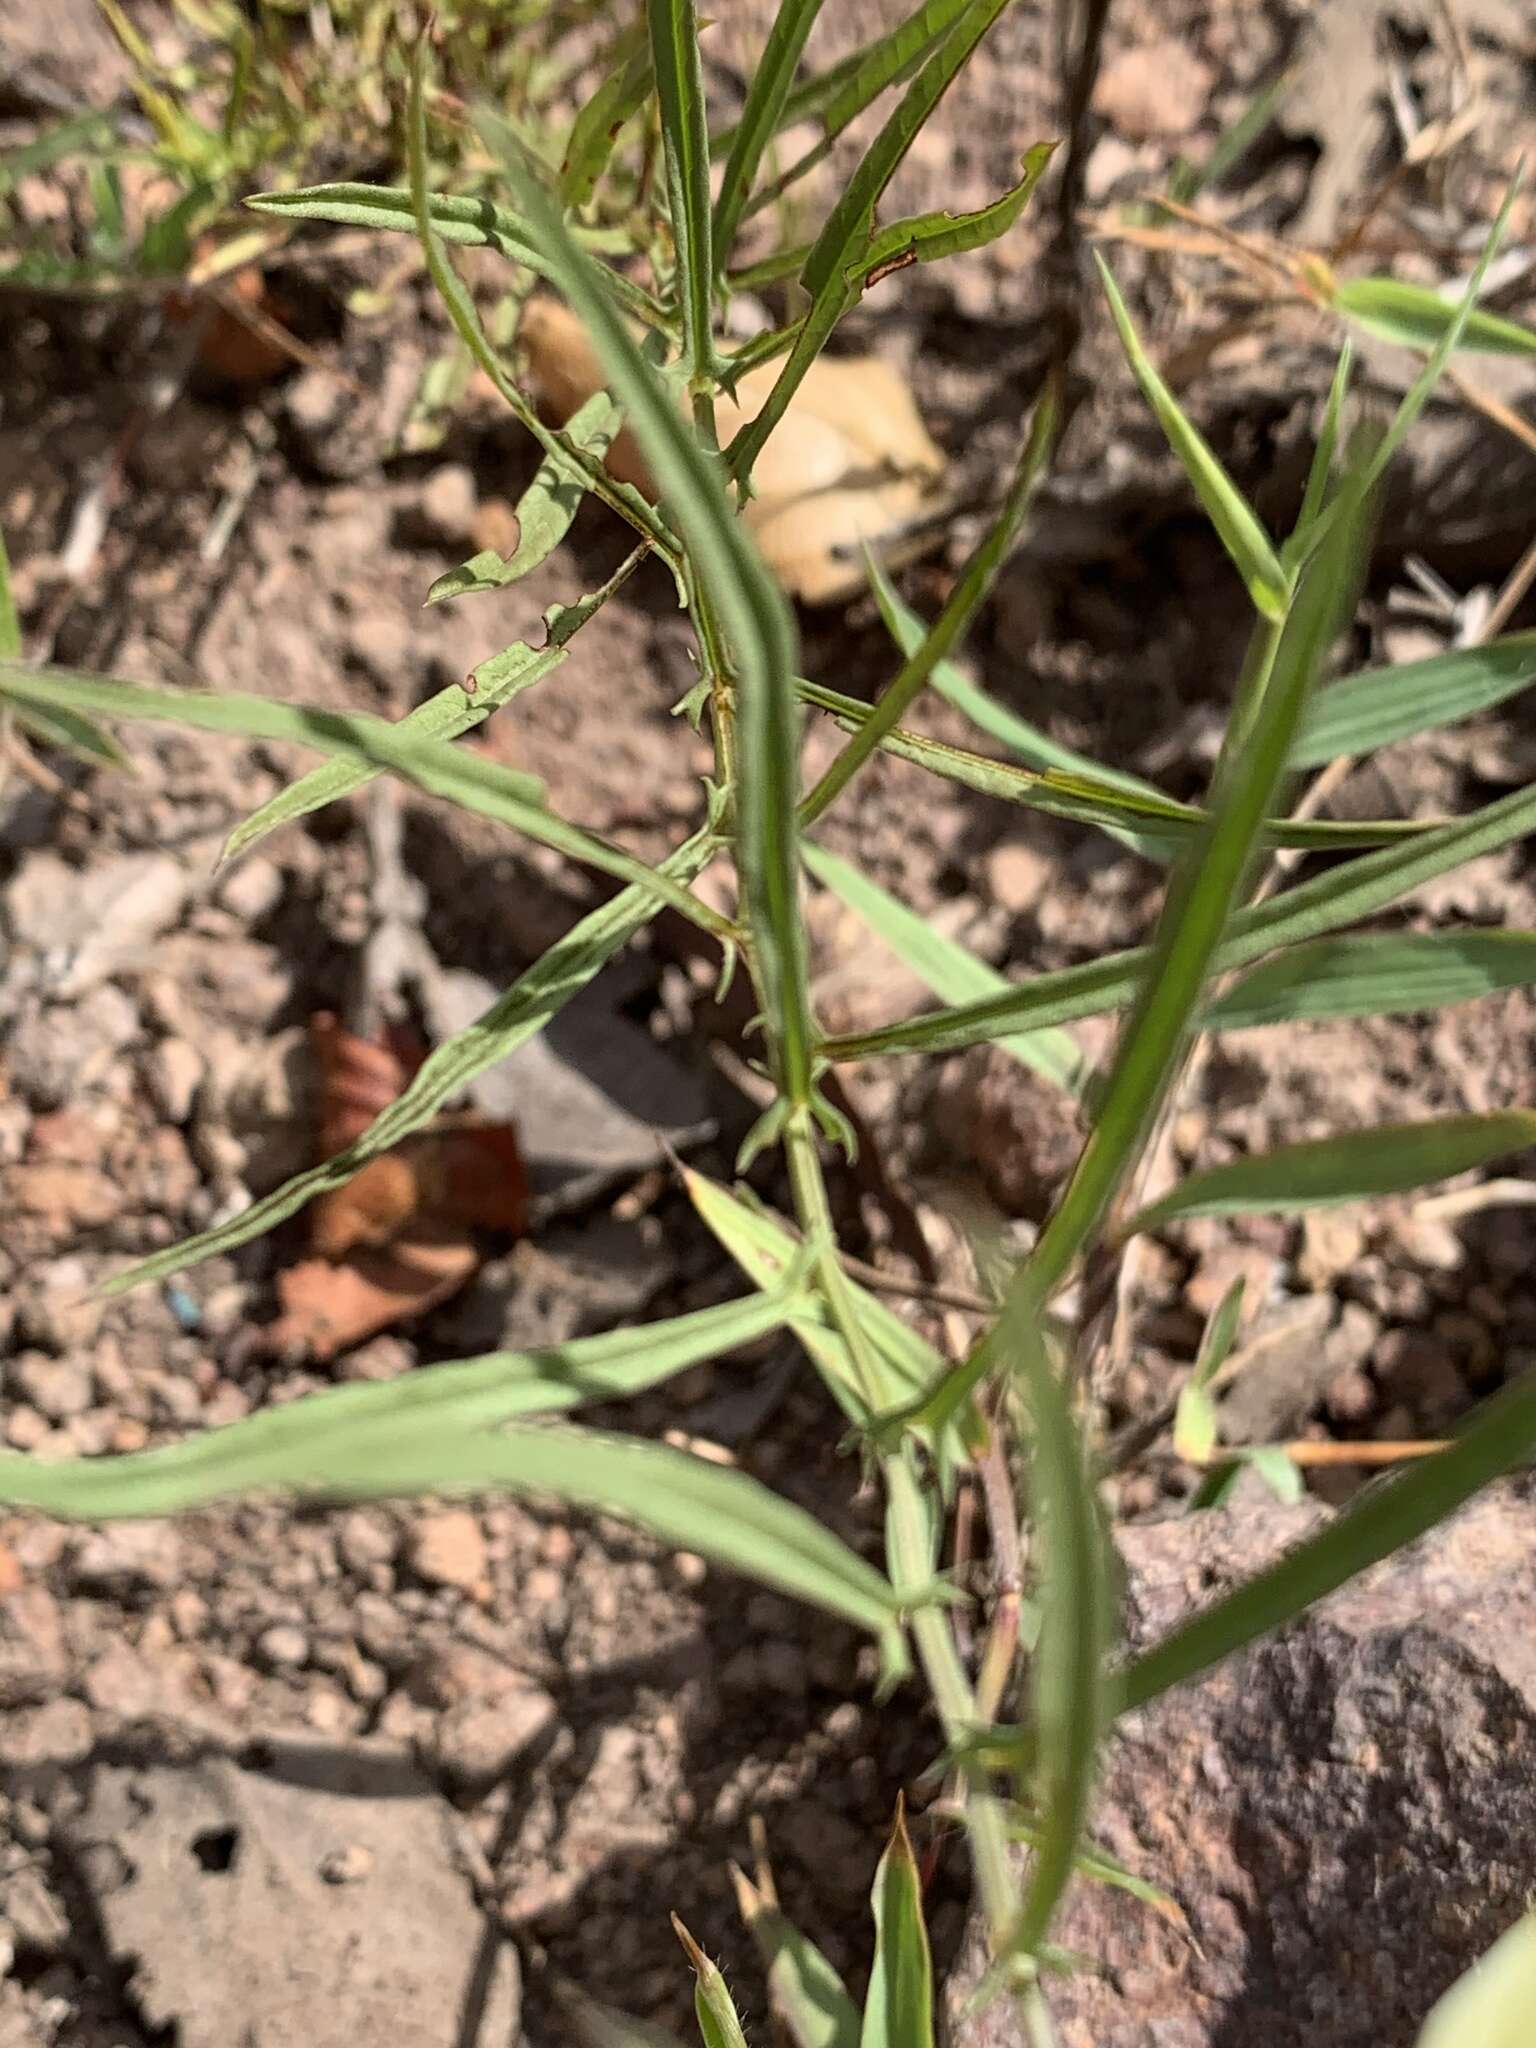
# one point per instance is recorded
(86, 924)
(56, 1733)
(477, 1742)
(67, 1196)
(318, 410)
(365, 1539)
(1344, 1812)
(283, 1647)
(443, 514)
(127, 1557)
(56, 1387)
(448, 1549)
(1156, 88)
(56, 1051)
(214, 1861)
(1017, 875)
(374, 645)
(253, 890)
(173, 1073)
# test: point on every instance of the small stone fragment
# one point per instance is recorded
(444, 512)
(448, 1549)
(56, 1387)
(1155, 88)
(173, 1073)
(283, 1647)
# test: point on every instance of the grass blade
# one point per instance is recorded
(845, 233)
(1381, 705)
(807, 1994)
(470, 780)
(596, 128)
(760, 631)
(952, 624)
(929, 237)
(1225, 506)
(1413, 316)
(943, 964)
(444, 716)
(1322, 1172)
(10, 624)
(1500, 1433)
(471, 223)
(1194, 1422)
(1357, 889)
(1164, 821)
(544, 511)
(1320, 471)
(306, 1448)
(460, 307)
(1067, 1670)
(1376, 974)
(898, 2011)
(674, 33)
(1203, 893)
(516, 1016)
(767, 96)
(840, 94)
(719, 2026)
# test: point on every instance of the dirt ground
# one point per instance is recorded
(578, 1725)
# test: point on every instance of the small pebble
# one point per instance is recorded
(57, 1388)
(349, 1864)
(448, 1549)
(173, 1072)
(283, 1647)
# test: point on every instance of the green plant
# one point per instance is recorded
(1221, 956)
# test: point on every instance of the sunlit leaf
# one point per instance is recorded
(1413, 316)
(898, 2011)
(1376, 974)
(1383, 1160)
(1490, 2006)
(1381, 705)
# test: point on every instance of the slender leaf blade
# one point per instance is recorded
(1491, 2004)
(930, 237)
(600, 119)
(898, 2010)
(807, 1994)
(516, 1016)
(760, 630)
(1499, 1435)
(1229, 512)
(1376, 707)
(1354, 1167)
(1413, 316)
(767, 94)
(719, 2025)
(674, 33)
(943, 964)
(1376, 974)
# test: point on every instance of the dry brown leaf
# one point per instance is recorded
(328, 1308)
(850, 463)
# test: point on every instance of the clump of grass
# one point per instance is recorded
(1223, 954)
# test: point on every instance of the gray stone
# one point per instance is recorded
(239, 1865)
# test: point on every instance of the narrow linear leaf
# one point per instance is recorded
(674, 34)
(1067, 1673)
(765, 1250)
(1164, 822)
(460, 308)
(767, 95)
(10, 624)
(1103, 1868)
(452, 711)
(1381, 705)
(758, 626)
(898, 2011)
(1320, 470)
(600, 119)
(471, 223)
(848, 222)
(1194, 1423)
(72, 734)
(516, 1016)
(310, 1447)
(603, 2026)
(1413, 316)
(1325, 1171)
(1228, 510)
(845, 233)
(470, 780)
(544, 511)
(1376, 974)
(719, 2025)
(950, 627)
(930, 237)
(943, 964)
(1490, 2006)
(806, 1992)
(1499, 1435)
(840, 94)
(1354, 890)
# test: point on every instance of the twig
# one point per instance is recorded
(1489, 1194)
(1516, 584)
(931, 1293)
